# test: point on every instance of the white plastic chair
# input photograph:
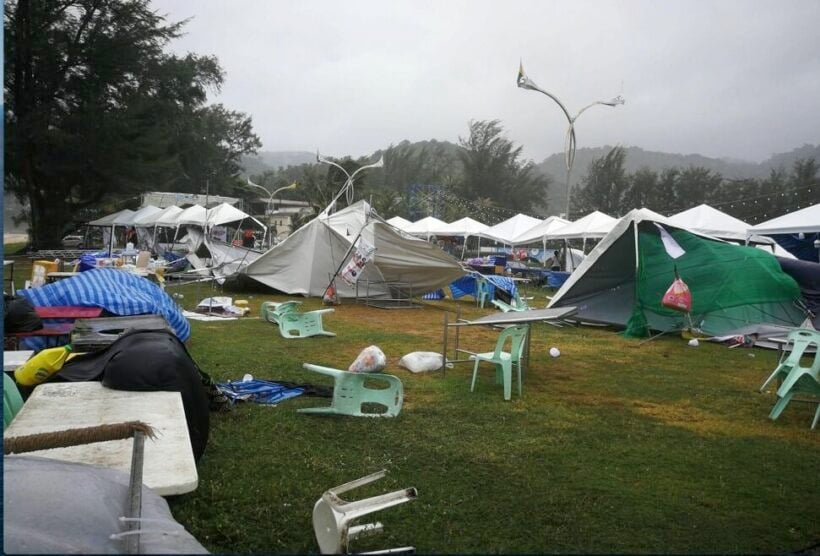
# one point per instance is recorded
(332, 515)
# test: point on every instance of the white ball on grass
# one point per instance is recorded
(554, 352)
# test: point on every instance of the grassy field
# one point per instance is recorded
(614, 447)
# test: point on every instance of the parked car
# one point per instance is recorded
(72, 242)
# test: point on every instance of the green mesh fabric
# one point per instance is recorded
(637, 326)
(731, 286)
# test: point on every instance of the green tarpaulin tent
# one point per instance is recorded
(624, 278)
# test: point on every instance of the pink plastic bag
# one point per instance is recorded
(678, 297)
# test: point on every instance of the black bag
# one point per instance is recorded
(19, 315)
(147, 361)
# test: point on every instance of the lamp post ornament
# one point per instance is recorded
(525, 82)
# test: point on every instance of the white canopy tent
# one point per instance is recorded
(466, 227)
(399, 222)
(225, 213)
(195, 215)
(541, 231)
(806, 220)
(144, 213)
(427, 226)
(506, 231)
(713, 222)
(165, 217)
(108, 223)
(594, 225)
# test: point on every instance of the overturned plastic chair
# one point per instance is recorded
(350, 393)
(271, 310)
(332, 516)
(293, 324)
(504, 360)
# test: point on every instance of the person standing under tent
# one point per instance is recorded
(248, 238)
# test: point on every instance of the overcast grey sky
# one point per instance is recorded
(721, 78)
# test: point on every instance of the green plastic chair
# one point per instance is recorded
(12, 401)
(303, 325)
(504, 360)
(271, 310)
(350, 393)
(518, 304)
(800, 339)
(483, 291)
(797, 379)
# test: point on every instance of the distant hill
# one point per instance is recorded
(265, 161)
(637, 158)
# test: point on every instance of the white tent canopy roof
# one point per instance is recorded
(144, 213)
(710, 221)
(429, 225)
(507, 231)
(120, 218)
(596, 224)
(195, 214)
(167, 217)
(224, 213)
(466, 227)
(399, 222)
(806, 220)
(541, 231)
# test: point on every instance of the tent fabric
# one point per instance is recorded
(119, 218)
(168, 217)
(713, 222)
(594, 225)
(399, 222)
(225, 213)
(305, 262)
(466, 227)
(428, 226)
(541, 231)
(508, 230)
(144, 213)
(805, 220)
(117, 291)
(623, 279)
(194, 215)
(807, 276)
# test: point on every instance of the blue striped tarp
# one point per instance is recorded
(118, 292)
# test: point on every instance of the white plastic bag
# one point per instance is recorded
(421, 361)
(370, 360)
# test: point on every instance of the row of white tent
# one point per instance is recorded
(522, 229)
(173, 216)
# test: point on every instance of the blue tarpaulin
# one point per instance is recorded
(118, 292)
(466, 285)
(258, 391)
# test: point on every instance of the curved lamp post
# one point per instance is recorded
(294, 185)
(348, 185)
(525, 82)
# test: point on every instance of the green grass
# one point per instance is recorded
(614, 447)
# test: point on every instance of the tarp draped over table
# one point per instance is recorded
(117, 291)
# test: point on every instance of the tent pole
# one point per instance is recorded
(349, 250)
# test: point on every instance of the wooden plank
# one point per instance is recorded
(68, 312)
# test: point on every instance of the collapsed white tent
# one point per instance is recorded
(307, 261)
(508, 230)
(399, 222)
(594, 225)
(806, 220)
(225, 213)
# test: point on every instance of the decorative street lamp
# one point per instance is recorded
(348, 185)
(569, 142)
(268, 212)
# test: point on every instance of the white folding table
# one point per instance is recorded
(168, 466)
